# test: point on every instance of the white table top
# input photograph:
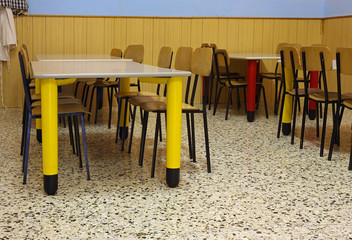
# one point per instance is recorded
(254, 56)
(99, 69)
(79, 57)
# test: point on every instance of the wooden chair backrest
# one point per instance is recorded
(116, 52)
(345, 60)
(313, 58)
(165, 57)
(220, 53)
(205, 45)
(25, 62)
(135, 52)
(287, 57)
(183, 59)
(202, 61)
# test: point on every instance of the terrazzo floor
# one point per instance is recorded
(260, 187)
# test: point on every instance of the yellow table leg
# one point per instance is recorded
(38, 121)
(50, 136)
(173, 131)
(124, 87)
(287, 112)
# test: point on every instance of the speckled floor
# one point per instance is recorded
(260, 187)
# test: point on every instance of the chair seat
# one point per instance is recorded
(320, 97)
(301, 92)
(84, 80)
(133, 94)
(348, 103)
(236, 83)
(160, 106)
(63, 109)
(270, 75)
(138, 100)
(36, 97)
(60, 101)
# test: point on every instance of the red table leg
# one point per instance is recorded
(314, 78)
(251, 89)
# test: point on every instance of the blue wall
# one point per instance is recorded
(338, 8)
(181, 8)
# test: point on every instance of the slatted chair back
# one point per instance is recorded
(116, 52)
(183, 59)
(135, 52)
(312, 56)
(165, 57)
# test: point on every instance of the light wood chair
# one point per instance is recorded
(164, 60)
(201, 66)
(343, 65)
(318, 58)
(64, 110)
(99, 85)
(289, 55)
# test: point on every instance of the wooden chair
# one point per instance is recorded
(318, 58)
(276, 76)
(201, 66)
(64, 110)
(231, 81)
(343, 65)
(99, 85)
(290, 61)
(182, 62)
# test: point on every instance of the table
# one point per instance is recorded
(49, 74)
(79, 57)
(252, 59)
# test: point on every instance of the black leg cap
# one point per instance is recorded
(39, 135)
(286, 128)
(250, 116)
(121, 131)
(172, 177)
(50, 184)
(312, 113)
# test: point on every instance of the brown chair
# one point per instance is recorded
(343, 65)
(231, 81)
(276, 76)
(64, 110)
(182, 62)
(318, 58)
(99, 85)
(201, 66)
(289, 55)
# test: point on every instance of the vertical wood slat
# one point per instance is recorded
(67, 34)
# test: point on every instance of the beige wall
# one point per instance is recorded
(62, 34)
(338, 33)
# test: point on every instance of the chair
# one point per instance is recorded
(201, 66)
(231, 81)
(276, 76)
(290, 62)
(183, 62)
(99, 85)
(164, 60)
(343, 65)
(64, 110)
(318, 58)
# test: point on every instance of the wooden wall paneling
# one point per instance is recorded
(186, 33)
(159, 31)
(135, 32)
(196, 33)
(314, 32)
(210, 33)
(54, 35)
(120, 33)
(148, 50)
(39, 35)
(69, 36)
(232, 35)
(302, 32)
(95, 35)
(80, 35)
(222, 33)
(109, 36)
